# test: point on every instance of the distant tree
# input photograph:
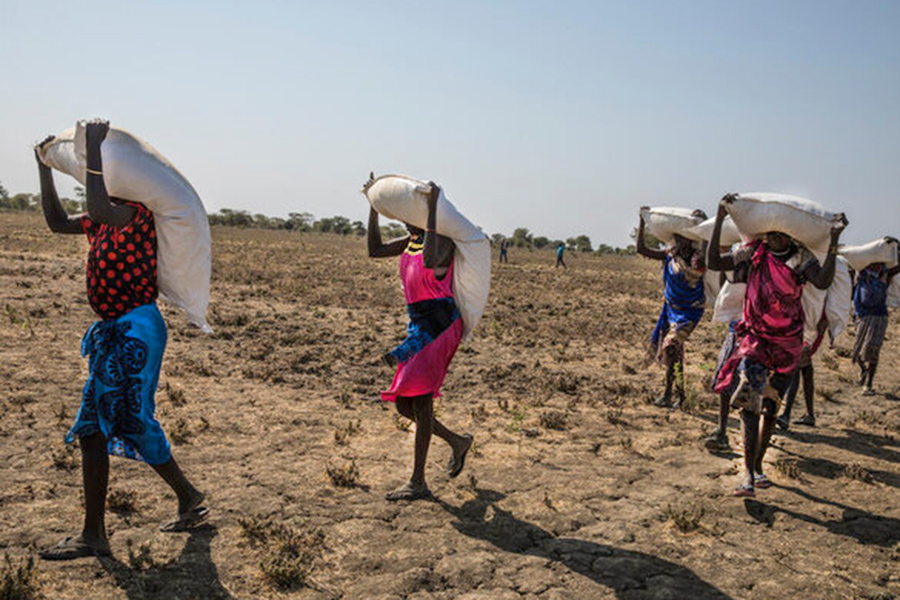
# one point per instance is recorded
(341, 225)
(231, 218)
(4, 193)
(358, 228)
(393, 230)
(581, 243)
(521, 238)
(605, 249)
(302, 221)
(496, 239)
(540, 242)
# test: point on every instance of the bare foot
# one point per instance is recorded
(191, 513)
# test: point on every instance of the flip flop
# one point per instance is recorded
(762, 481)
(455, 467)
(744, 491)
(409, 493)
(71, 548)
(186, 522)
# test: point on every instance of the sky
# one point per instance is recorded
(560, 116)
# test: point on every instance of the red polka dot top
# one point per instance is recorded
(121, 266)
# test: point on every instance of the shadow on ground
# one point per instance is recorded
(629, 574)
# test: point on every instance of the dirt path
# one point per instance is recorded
(575, 488)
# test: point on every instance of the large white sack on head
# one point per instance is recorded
(134, 170)
(663, 222)
(405, 199)
(808, 222)
(877, 251)
(730, 302)
(703, 232)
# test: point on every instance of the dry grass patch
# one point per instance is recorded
(346, 476)
(686, 517)
(857, 472)
(288, 555)
(19, 579)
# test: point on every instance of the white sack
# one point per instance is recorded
(839, 300)
(893, 294)
(756, 214)
(134, 170)
(711, 287)
(730, 302)
(663, 222)
(405, 199)
(835, 301)
(877, 251)
(703, 232)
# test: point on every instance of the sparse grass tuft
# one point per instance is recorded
(342, 434)
(686, 518)
(142, 558)
(857, 472)
(554, 419)
(122, 502)
(19, 579)
(176, 395)
(63, 458)
(181, 432)
(789, 468)
(346, 476)
(288, 555)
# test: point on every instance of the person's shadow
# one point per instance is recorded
(628, 573)
(192, 575)
(865, 527)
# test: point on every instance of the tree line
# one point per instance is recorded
(305, 222)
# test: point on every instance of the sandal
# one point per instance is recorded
(455, 467)
(808, 420)
(762, 481)
(745, 490)
(71, 548)
(187, 521)
(408, 492)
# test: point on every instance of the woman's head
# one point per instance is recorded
(413, 230)
(778, 241)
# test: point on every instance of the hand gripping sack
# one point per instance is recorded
(757, 213)
(134, 170)
(663, 222)
(404, 199)
(877, 251)
(703, 232)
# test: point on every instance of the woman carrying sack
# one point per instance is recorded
(870, 306)
(125, 348)
(434, 333)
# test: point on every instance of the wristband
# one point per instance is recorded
(93, 172)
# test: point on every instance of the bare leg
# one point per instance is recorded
(785, 419)
(459, 444)
(809, 392)
(95, 476)
(870, 373)
(750, 432)
(767, 426)
(422, 410)
(189, 497)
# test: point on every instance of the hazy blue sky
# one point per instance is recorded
(563, 117)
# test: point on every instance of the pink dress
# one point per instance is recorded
(771, 332)
(434, 331)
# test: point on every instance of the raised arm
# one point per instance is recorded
(896, 270)
(58, 220)
(99, 207)
(715, 260)
(642, 248)
(438, 249)
(822, 276)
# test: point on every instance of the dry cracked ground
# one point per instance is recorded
(577, 487)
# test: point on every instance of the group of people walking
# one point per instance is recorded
(764, 358)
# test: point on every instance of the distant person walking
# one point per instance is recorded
(870, 306)
(433, 335)
(685, 299)
(125, 348)
(560, 250)
(769, 338)
(504, 246)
